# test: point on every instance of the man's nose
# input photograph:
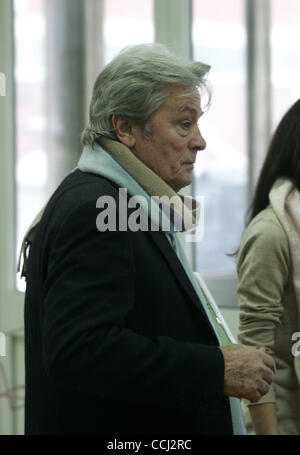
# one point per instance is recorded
(197, 142)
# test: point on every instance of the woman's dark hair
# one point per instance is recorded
(282, 160)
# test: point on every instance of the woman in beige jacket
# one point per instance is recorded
(268, 266)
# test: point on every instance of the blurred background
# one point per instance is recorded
(50, 54)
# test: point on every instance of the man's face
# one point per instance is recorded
(171, 151)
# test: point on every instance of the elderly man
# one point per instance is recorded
(118, 338)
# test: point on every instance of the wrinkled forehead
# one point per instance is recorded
(184, 100)
(201, 94)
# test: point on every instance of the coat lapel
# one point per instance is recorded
(166, 249)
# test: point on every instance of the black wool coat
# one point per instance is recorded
(116, 341)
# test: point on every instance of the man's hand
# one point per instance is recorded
(248, 371)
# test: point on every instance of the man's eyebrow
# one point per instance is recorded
(191, 110)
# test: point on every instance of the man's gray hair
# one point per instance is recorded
(135, 84)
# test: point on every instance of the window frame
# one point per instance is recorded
(11, 300)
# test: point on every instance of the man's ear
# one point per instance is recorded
(124, 130)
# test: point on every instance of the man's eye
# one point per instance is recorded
(186, 125)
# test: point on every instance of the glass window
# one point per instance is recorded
(44, 82)
(126, 23)
(30, 77)
(285, 56)
(219, 39)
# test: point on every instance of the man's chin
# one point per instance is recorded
(178, 185)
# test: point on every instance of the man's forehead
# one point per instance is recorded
(191, 110)
(184, 102)
(189, 105)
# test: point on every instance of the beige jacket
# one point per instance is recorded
(269, 312)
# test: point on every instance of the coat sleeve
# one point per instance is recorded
(263, 272)
(88, 292)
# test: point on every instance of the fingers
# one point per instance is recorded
(256, 394)
(267, 359)
(249, 372)
(263, 388)
(267, 370)
(257, 390)
(269, 366)
(268, 375)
